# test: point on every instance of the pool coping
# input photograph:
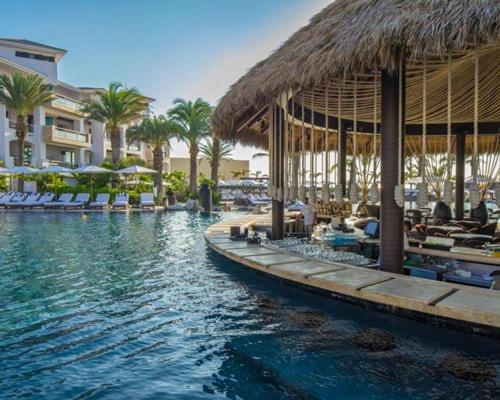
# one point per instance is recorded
(380, 290)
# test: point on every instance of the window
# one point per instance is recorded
(34, 56)
(68, 157)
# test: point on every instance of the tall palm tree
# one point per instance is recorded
(115, 107)
(193, 124)
(22, 94)
(215, 150)
(157, 133)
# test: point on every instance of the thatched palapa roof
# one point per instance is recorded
(361, 36)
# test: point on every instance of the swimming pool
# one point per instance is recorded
(135, 306)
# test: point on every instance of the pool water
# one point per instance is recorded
(135, 306)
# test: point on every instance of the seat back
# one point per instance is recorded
(82, 197)
(65, 197)
(121, 197)
(147, 197)
(32, 197)
(102, 198)
(49, 196)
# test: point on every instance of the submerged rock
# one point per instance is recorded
(268, 302)
(309, 319)
(468, 367)
(374, 340)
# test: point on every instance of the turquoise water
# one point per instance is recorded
(135, 306)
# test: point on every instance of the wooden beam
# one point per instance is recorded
(392, 216)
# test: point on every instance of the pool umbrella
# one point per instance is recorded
(56, 169)
(22, 170)
(92, 169)
(136, 169)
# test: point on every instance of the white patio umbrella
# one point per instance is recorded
(136, 169)
(21, 170)
(92, 169)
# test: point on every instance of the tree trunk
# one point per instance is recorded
(214, 163)
(158, 166)
(115, 148)
(21, 129)
(193, 168)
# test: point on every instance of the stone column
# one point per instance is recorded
(98, 146)
(40, 148)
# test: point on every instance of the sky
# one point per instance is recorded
(165, 48)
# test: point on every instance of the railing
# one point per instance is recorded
(64, 102)
(64, 133)
(64, 164)
(13, 125)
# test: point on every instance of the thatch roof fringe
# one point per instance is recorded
(356, 36)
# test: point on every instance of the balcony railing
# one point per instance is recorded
(13, 125)
(62, 135)
(66, 103)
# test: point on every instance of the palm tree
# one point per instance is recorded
(157, 133)
(22, 94)
(215, 150)
(115, 107)
(192, 121)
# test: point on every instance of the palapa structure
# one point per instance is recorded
(385, 75)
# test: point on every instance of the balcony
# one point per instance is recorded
(66, 104)
(54, 134)
(13, 124)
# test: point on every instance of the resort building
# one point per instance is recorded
(227, 167)
(59, 134)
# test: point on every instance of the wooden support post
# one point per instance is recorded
(278, 207)
(460, 175)
(343, 159)
(392, 216)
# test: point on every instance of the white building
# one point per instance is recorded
(58, 132)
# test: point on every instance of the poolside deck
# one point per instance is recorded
(474, 308)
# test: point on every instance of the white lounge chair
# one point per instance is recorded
(15, 198)
(101, 201)
(79, 202)
(29, 198)
(6, 197)
(121, 200)
(61, 201)
(147, 200)
(40, 202)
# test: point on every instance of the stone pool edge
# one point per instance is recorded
(469, 320)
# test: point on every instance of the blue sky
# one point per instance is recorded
(165, 48)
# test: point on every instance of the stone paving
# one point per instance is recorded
(453, 301)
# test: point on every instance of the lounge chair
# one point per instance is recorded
(40, 202)
(147, 200)
(13, 199)
(29, 198)
(6, 197)
(121, 200)
(61, 201)
(80, 201)
(101, 201)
